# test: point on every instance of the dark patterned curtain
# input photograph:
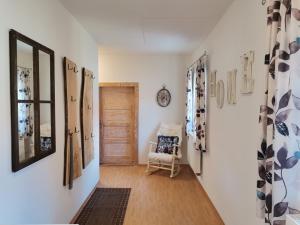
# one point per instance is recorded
(278, 181)
(200, 105)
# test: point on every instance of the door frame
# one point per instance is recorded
(135, 86)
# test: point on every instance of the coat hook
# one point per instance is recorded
(92, 136)
(73, 99)
(263, 2)
(76, 131)
(70, 67)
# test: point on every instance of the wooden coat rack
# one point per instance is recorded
(72, 154)
(86, 117)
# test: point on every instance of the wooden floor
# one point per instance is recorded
(159, 200)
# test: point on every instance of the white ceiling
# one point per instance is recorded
(169, 26)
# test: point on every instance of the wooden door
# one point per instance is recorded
(118, 123)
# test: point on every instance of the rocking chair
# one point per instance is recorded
(168, 159)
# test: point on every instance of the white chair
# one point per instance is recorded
(166, 161)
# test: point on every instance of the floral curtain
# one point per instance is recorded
(200, 105)
(278, 181)
(196, 80)
(24, 109)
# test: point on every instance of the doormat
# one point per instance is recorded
(107, 206)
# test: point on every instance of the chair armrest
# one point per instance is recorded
(152, 146)
(152, 143)
(174, 149)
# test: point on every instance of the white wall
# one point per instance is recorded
(151, 71)
(36, 194)
(230, 166)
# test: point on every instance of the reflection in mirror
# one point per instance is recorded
(24, 71)
(26, 131)
(44, 75)
(45, 130)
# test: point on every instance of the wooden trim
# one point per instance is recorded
(13, 100)
(81, 116)
(206, 195)
(83, 205)
(36, 105)
(100, 125)
(136, 122)
(119, 84)
(66, 119)
(134, 85)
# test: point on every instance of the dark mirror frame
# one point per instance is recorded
(15, 36)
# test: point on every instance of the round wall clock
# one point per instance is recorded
(163, 97)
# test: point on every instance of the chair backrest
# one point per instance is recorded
(171, 130)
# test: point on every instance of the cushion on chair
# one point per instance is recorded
(160, 157)
(165, 144)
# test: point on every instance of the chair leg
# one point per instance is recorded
(177, 170)
(172, 170)
(148, 167)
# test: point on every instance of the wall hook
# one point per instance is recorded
(76, 131)
(263, 2)
(73, 99)
(70, 67)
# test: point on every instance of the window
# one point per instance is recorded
(191, 97)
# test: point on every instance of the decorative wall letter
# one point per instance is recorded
(212, 83)
(220, 94)
(247, 85)
(231, 87)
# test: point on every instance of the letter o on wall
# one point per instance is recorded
(220, 94)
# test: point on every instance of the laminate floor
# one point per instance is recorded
(159, 200)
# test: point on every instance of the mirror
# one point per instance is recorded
(44, 75)
(26, 131)
(45, 127)
(32, 100)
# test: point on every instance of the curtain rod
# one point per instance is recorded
(204, 54)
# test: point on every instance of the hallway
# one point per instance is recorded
(159, 200)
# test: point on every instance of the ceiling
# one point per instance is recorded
(168, 26)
